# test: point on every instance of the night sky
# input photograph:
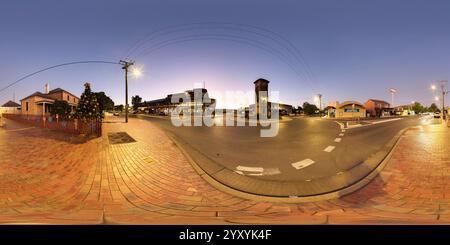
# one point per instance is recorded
(345, 50)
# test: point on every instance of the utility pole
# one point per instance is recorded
(443, 82)
(125, 65)
(320, 101)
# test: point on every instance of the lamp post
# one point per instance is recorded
(444, 92)
(392, 91)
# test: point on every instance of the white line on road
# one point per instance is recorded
(341, 125)
(258, 174)
(250, 169)
(19, 129)
(341, 134)
(271, 171)
(343, 130)
(329, 148)
(302, 164)
(337, 140)
(387, 120)
(239, 172)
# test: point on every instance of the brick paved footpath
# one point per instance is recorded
(49, 177)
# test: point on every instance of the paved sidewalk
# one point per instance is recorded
(49, 177)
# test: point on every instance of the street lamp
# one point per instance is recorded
(392, 91)
(444, 92)
(137, 72)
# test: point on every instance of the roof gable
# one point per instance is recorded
(11, 104)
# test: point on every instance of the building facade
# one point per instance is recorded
(39, 104)
(378, 108)
(166, 105)
(346, 109)
(404, 110)
(10, 107)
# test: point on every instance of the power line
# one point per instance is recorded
(266, 33)
(55, 66)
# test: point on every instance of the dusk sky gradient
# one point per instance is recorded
(354, 50)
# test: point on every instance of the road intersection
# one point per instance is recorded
(307, 152)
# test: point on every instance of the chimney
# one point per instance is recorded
(46, 88)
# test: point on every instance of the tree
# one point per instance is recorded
(418, 108)
(135, 101)
(118, 107)
(106, 103)
(309, 109)
(433, 108)
(88, 106)
(60, 108)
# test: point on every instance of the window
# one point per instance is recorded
(68, 98)
(351, 110)
(26, 106)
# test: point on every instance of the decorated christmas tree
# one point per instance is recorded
(88, 106)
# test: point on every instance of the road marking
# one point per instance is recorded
(329, 148)
(387, 120)
(308, 180)
(343, 130)
(271, 171)
(19, 129)
(249, 169)
(302, 164)
(341, 134)
(339, 173)
(258, 174)
(341, 125)
(337, 140)
(256, 171)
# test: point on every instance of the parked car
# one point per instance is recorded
(437, 114)
(116, 113)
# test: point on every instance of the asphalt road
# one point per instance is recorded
(304, 149)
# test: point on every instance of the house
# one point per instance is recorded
(346, 109)
(404, 110)
(166, 105)
(40, 103)
(10, 107)
(378, 108)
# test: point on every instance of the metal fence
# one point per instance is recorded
(73, 126)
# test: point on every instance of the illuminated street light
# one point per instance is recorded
(137, 72)
(433, 87)
(436, 98)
